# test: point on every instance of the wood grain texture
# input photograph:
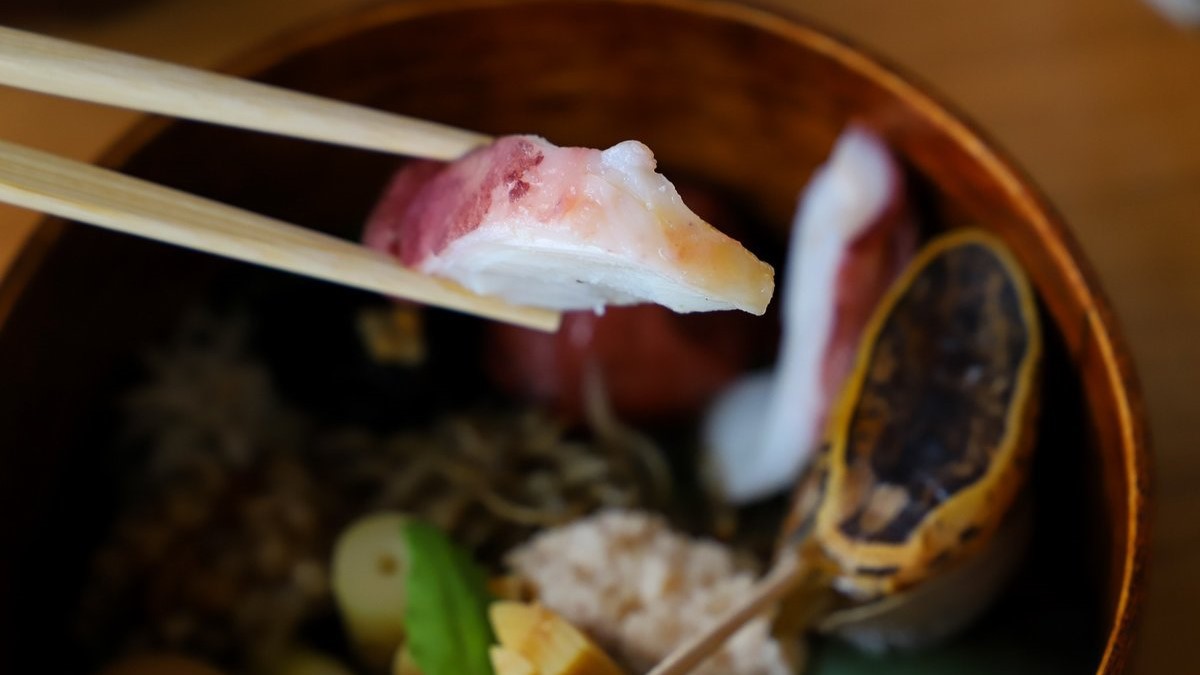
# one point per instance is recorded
(1097, 99)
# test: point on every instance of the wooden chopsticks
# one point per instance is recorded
(63, 68)
(51, 184)
(89, 194)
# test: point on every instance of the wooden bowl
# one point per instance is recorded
(728, 95)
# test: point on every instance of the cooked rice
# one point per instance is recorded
(639, 589)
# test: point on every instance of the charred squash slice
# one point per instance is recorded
(930, 442)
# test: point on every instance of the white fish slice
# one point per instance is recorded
(852, 235)
(507, 218)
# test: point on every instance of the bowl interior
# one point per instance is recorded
(741, 102)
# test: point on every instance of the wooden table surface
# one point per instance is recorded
(1098, 99)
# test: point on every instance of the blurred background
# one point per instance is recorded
(1098, 99)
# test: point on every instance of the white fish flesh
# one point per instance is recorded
(852, 235)
(564, 228)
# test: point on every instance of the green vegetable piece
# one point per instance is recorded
(446, 616)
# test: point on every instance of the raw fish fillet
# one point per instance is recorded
(653, 363)
(851, 238)
(566, 229)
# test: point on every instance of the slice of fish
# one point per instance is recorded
(852, 235)
(564, 228)
(654, 364)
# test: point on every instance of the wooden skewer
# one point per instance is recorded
(51, 184)
(783, 577)
(64, 68)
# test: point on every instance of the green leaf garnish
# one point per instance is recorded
(446, 616)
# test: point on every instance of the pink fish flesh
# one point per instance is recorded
(564, 228)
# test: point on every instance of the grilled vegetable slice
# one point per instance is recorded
(929, 445)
